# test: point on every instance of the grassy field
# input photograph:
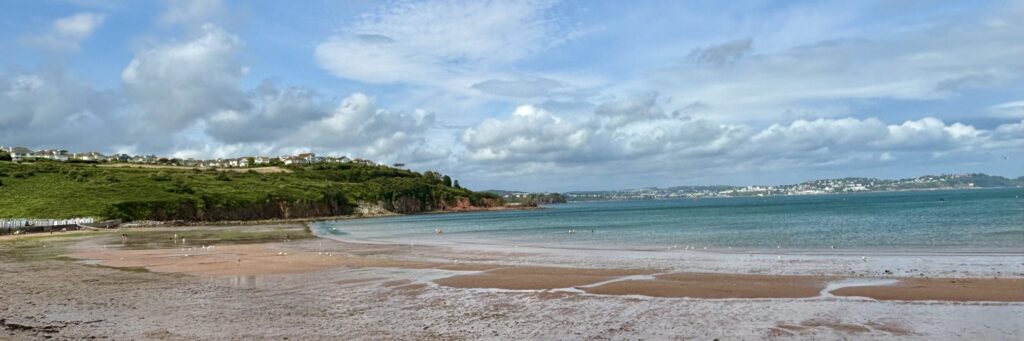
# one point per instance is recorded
(65, 190)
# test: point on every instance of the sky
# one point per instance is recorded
(536, 95)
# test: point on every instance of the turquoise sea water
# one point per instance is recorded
(948, 220)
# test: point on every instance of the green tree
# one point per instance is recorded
(456, 185)
(4, 156)
(447, 181)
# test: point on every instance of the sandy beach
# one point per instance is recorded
(277, 281)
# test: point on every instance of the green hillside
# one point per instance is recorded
(64, 190)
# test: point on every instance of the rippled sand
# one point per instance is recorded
(321, 289)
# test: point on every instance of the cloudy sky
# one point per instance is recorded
(531, 95)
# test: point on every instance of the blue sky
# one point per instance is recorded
(532, 95)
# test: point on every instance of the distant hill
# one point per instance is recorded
(64, 190)
(821, 186)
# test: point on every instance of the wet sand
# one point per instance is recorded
(256, 259)
(537, 278)
(254, 291)
(943, 289)
(312, 255)
(709, 285)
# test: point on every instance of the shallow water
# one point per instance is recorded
(985, 220)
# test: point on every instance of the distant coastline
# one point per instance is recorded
(814, 187)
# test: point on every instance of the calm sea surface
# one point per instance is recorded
(949, 220)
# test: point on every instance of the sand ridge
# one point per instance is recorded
(318, 255)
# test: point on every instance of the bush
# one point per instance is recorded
(180, 187)
(160, 176)
(222, 176)
(4, 156)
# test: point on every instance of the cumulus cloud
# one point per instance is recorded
(427, 42)
(297, 119)
(529, 134)
(54, 109)
(67, 33)
(274, 114)
(181, 81)
(358, 124)
(658, 141)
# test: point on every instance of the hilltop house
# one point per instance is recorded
(50, 154)
(89, 156)
(19, 153)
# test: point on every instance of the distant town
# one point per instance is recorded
(61, 155)
(824, 186)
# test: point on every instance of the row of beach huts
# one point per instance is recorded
(12, 226)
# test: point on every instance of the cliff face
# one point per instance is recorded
(278, 209)
(410, 204)
(255, 211)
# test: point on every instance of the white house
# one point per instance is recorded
(19, 153)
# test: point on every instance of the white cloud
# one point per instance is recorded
(53, 109)
(654, 141)
(179, 82)
(359, 126)
(529, 134)
(191, 11)
(67, 33)
(431, 42)
(809, 81)
(1013, 109)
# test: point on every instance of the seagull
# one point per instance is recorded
(864, 258)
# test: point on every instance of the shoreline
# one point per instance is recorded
(475, 269)
(304, 221)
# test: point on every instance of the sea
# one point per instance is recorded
(969, 220)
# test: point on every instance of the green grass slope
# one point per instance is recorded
(64, 190)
